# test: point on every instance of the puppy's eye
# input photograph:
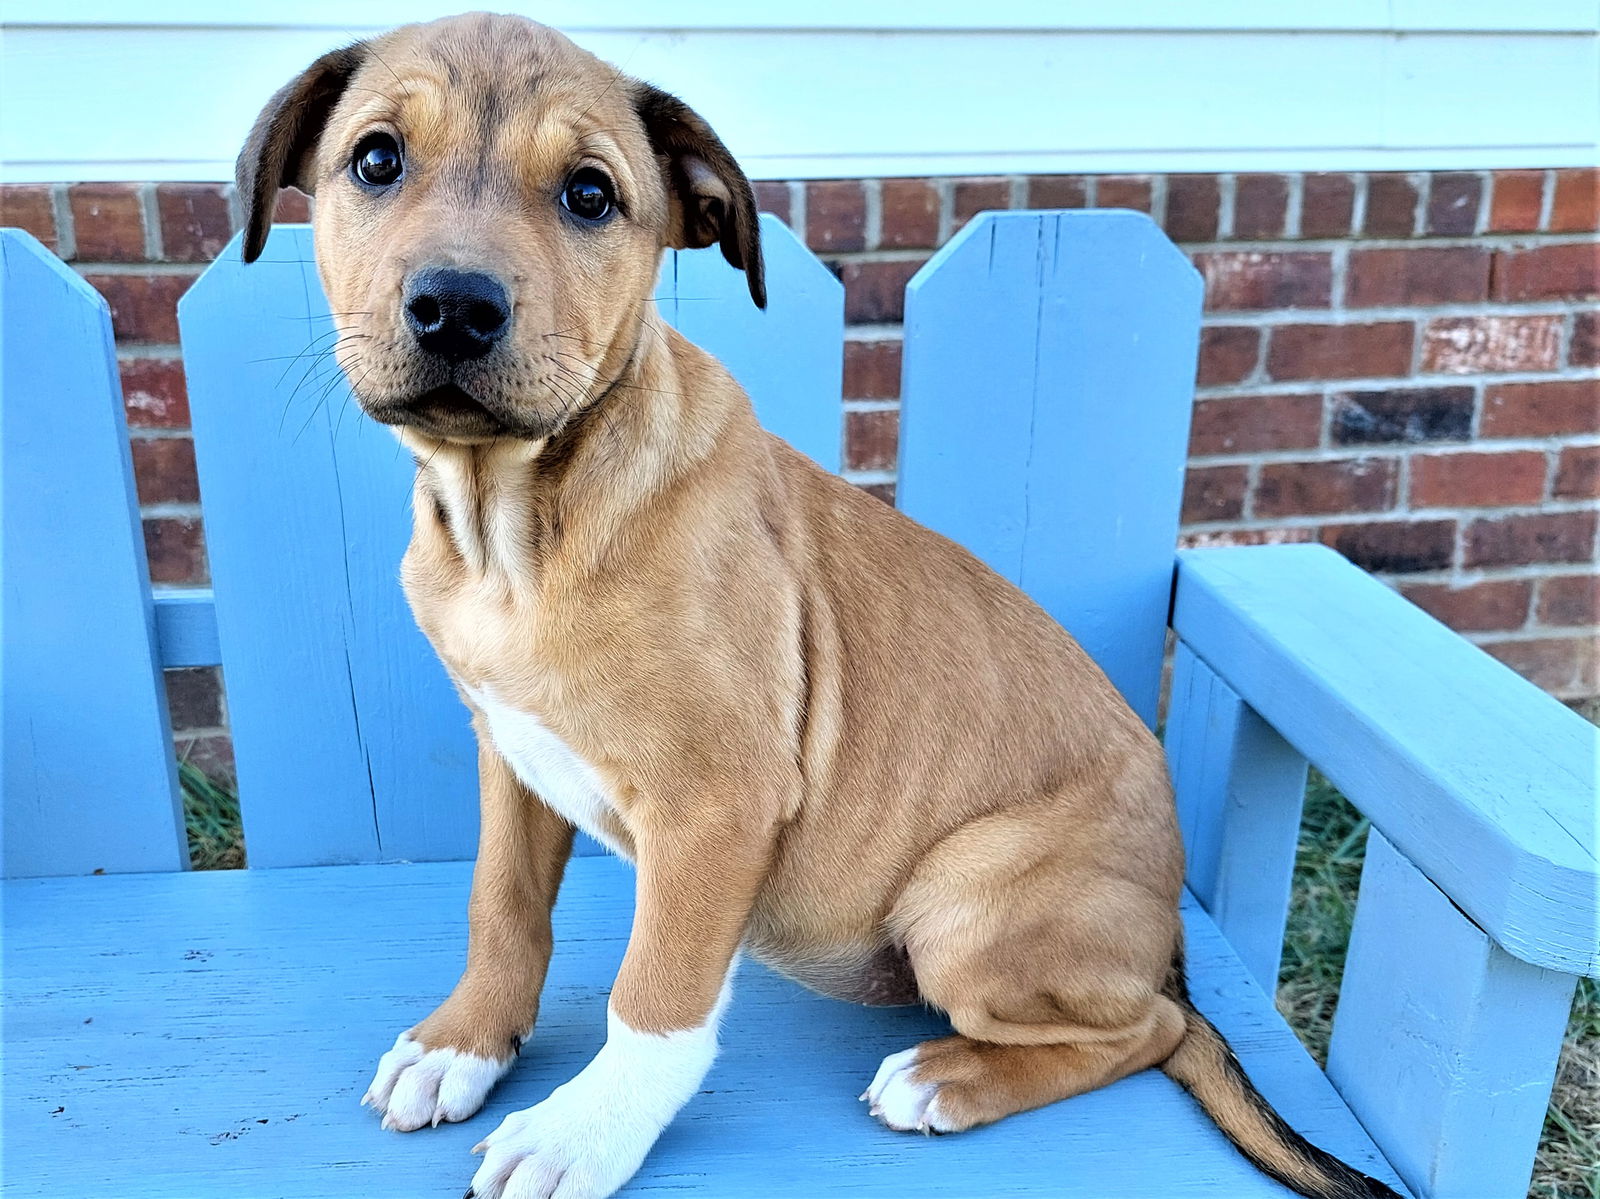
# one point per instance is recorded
(377, 161)
(588, 194)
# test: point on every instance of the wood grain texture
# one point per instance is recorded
(1049, 367)
(351, 744)
(89, 775)
(211, 1034)
(1444, 1044)
(1476, 776)
(1239, 788)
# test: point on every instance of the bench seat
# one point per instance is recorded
(210, 1034)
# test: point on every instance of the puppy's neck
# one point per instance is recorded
(510, 507)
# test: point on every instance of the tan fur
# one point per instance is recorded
(829, 734)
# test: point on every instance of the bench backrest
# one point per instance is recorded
(1048, 367)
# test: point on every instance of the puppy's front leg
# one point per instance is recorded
(443, 1068)
(695, 890)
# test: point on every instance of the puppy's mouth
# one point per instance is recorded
(446, 411)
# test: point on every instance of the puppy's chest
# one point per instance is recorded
(552, 769)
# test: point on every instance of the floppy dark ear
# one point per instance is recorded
(711, 200)
(280, 148)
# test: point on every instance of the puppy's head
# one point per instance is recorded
(492, 202)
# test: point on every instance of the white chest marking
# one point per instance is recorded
(548, 766)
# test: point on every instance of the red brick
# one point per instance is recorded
(1213, 538)
(195, 220)
(1214, 493)
(1395, 546)
(143, 307)
(1228, 353)
(1391, 206)
(1473, 480)
(1569, 601)
(1563, 666)
(163, 468)
(30, 206)
(1497, 606)
(871, 439)
(1193, 202)
(836, 215)
(1124, 191)
(1057, 191)
(1245, 279)
(1401, 414)
(1558, 408)
(1576, 205)
(194, 698)
(1520, 540)
(1250, 424)
(875, 292)
(872, 369)
(1577, 473)
(107, 222)
(910, 209)
(294, 207)
(1476, 345)
(774, 198)
(212, 753)
(1584, 348)
(1417, 275)
(1260, 205)
(1340, 351)
(1326, 204)
(154, 394)
(1321, 488)
(1515, 202)
(176, 549)
(1569, 271)
(972, 196)
(1453, 201)
(879, 491)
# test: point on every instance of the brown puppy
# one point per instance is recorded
(823, 733)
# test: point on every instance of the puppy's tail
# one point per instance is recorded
(1204, 1066)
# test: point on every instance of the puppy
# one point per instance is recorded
(823, 734)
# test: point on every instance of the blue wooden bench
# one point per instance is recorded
(170, 1033)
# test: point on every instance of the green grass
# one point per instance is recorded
(1327, 874)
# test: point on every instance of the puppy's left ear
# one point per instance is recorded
(710, 200)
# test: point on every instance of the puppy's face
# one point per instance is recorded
(492, 202)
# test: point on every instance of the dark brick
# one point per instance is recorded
(1515, 202)
(1417, 275)
(143, 307)
(194, 698)
(1193, 202)
(871, 439)
(1057, 191)
(107, 222)
(1413, 414)
(1520, 540)
(875, 292)
(1124, 191)
(774, 198)
(1340, 351)
(879, 491)
(1255, 279)
(163, 468)
(294, 207)
(836, 215)
(1569, 601)
(212, 754)
(1260, 204)
(1566, 667)
(1391, 206)
(1214, 493)
(872, 369)
(1577, 473)
(195, 220)
(910, 215)
(1561, 407)
(972, 196)
(1327, 202)
(30, 207)
(176, 550)
(1395, 546)
(1453, 201)
(1251, 424)
(1326, 487)
(1228, 353)
(1497, 606)
(1584, 349)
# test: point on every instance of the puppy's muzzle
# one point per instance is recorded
(456, 315)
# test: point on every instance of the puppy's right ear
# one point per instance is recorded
(282, 145)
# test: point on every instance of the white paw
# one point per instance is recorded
(899, 1103)
(583, 1142)
(416, 1086)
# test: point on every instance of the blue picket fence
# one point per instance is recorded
(1047, 380)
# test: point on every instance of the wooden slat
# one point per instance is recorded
(186, 627)
(351, 745)
(89, 773)
(1444, 1044)
(1049, 366)
(1476, 776)
(236, 1020)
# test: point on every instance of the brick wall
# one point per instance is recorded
(1404, 366)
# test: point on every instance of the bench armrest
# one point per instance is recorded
(1483, 782)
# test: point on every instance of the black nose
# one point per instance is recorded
(456, 314)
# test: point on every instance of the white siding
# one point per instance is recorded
(829, 88)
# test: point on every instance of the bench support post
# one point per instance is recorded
(1444, 1045)
(1240, 787)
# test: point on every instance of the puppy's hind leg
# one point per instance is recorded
(444, 1068)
